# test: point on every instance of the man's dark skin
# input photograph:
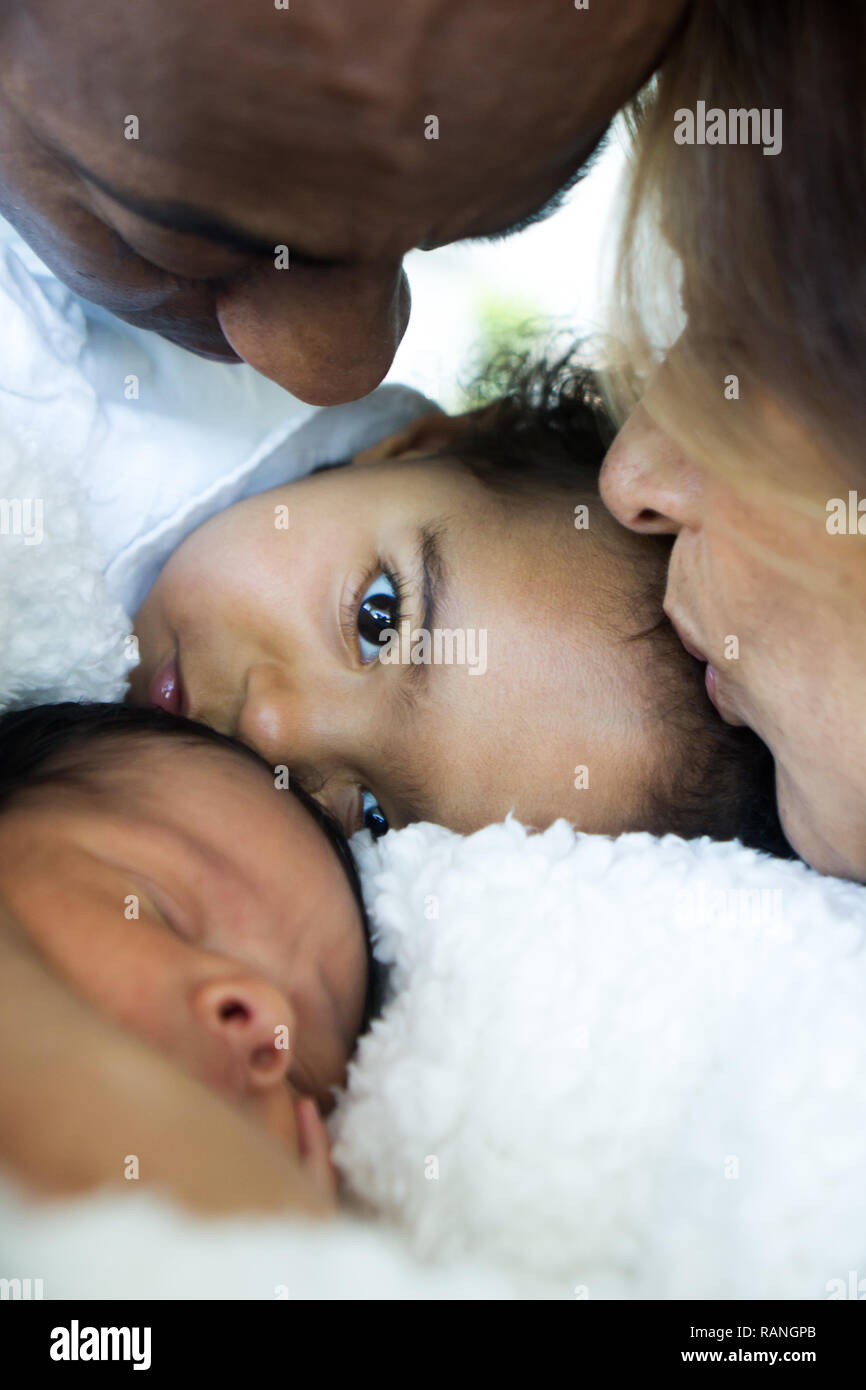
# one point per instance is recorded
(261, 127)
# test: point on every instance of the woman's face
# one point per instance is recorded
(775, 604)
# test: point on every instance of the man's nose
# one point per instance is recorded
(252, 1023)
(645, 481)
(326, 333)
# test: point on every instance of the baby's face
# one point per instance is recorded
(196, 904)
(258, 625)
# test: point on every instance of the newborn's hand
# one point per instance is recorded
(314, 1148)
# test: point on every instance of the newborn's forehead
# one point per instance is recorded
(231, 829)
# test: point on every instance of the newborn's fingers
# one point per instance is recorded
(315, 1146)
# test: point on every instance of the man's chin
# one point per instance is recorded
(210, 343)
(226, 353)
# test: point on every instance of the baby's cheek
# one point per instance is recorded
(193, 588)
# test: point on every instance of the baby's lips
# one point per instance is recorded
(166, 688)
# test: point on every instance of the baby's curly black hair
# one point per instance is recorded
(541, 429)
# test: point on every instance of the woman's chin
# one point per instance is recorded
(806, 829)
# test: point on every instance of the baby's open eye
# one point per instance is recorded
(378, 614)
(373, 816)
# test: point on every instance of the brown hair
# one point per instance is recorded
(768, 248)
(543, 435)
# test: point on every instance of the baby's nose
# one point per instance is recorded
(253, 1024)
(299, 723)
(265, 722)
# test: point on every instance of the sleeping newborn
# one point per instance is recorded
(162, 876)
(449, 627)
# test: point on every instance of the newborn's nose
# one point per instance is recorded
(252, 1024)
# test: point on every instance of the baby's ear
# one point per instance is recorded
(433, 433)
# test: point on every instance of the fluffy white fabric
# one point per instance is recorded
(615, 1068)
(133, 1245)
(62, 636)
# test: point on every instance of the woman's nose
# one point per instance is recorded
(326, 333)
(252, 1024)
(645, 482)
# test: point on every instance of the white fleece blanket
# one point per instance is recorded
(607, 1069)
(627, 1068)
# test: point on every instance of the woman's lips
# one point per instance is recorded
(711, 678)
(709, 673)
(166, 688)
(689, 645)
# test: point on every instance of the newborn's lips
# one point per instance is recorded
(166, 688)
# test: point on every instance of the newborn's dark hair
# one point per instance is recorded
(48, 747)
(542, 428)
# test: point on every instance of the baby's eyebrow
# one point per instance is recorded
(432, 585)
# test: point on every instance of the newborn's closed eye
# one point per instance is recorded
(166, 907)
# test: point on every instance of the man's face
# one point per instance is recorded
(157, 167)
(185, 897)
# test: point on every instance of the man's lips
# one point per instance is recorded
(166, 688)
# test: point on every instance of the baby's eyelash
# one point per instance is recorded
(400, 587)
(349, 610)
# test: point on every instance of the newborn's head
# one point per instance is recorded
(159, 870)
(295, 620)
